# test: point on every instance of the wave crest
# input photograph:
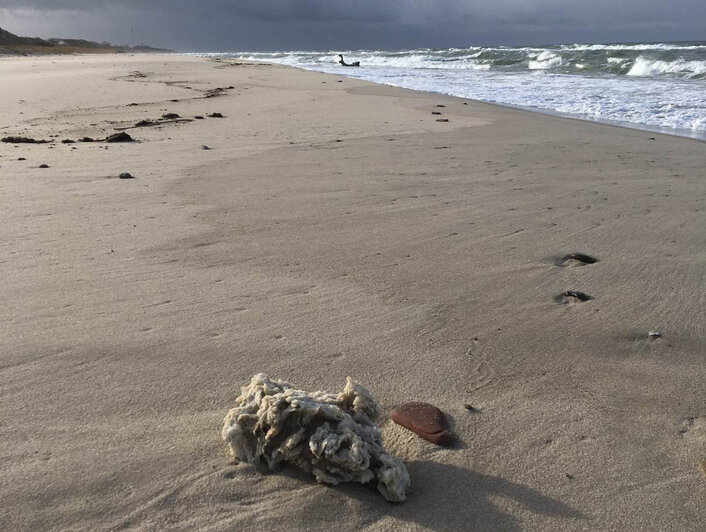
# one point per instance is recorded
(544, 61)
(644, 66)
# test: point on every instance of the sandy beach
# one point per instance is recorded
(337, 228)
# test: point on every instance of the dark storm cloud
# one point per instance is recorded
(243, 24)
(313, 10)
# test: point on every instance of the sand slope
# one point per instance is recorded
(336, 229)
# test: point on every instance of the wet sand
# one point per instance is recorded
(334, 228)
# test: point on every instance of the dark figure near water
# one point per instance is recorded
(354, 63)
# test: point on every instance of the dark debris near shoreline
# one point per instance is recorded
(24, 140)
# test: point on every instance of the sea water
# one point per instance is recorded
(653, 86)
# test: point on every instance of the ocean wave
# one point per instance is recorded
(679, 61)
(636, 47)
(644, 66)
(544, 61)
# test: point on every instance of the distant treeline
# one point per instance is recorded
(13, 44)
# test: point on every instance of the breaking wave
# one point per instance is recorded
(546, 60)
(644, 66)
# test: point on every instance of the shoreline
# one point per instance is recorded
(678, 132)
(334, 228)
(682, 133)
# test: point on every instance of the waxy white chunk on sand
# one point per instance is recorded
(332, 436)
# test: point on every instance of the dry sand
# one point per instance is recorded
(337, 229)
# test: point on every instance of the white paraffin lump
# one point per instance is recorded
(332, 436)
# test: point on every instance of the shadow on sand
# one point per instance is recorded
(445, 497)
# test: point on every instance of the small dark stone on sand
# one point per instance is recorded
(578, 295)
(582, 257)
(215, 115)
(23, 140)
(440, 105)
(175, 101)
(424, 420)
(470, 408)
(435, 113)
(21, 159)
(133, 104)
(204, 147)
(119, 137)
(198, 117)
(145, 123)
(67, 141)
(442, 119)
(126, 175)
(86, 139)
(43, 165)
(170, 116)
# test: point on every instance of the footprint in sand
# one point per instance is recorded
(572, 296)
(576, 259)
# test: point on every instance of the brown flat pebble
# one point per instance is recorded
(424, 420)
(442, 119)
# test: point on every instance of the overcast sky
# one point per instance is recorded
(239, 25)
